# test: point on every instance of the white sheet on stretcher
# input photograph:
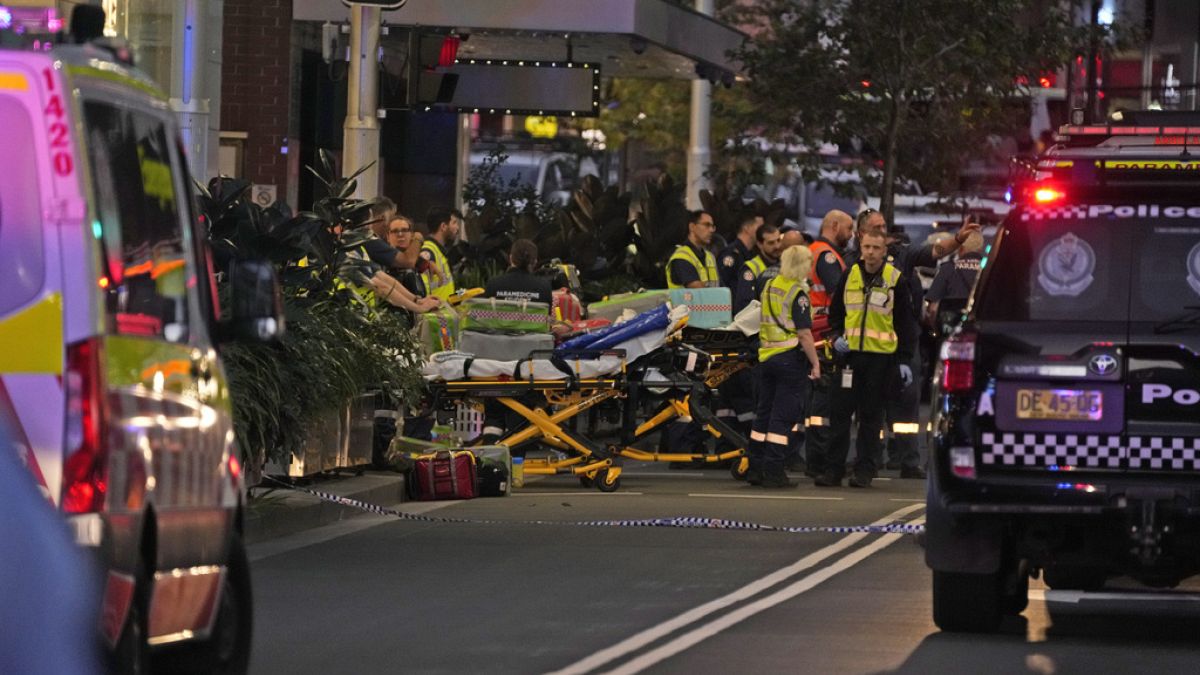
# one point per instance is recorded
(449, 365)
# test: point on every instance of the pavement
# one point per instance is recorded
(275, 511)
(376, 594)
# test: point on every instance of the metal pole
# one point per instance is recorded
(699, 153)
(464, 161)
(189, 68)
(361, 138)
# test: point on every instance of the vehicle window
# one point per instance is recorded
(139, 214)
(1166, 271)
(21, 264)
(1074, 269)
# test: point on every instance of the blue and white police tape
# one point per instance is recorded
(684, 522)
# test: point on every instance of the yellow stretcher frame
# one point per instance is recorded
(593, 463)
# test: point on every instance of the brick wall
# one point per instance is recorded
(256, 86)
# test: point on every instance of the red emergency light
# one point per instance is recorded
(1047, 194)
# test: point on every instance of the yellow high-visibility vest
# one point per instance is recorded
(870, 323)
(706, 270)
(442, 287)
(777, 332)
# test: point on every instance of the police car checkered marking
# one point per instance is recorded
(1044, 450)
(1157, 452)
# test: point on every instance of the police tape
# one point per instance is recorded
(680, 522)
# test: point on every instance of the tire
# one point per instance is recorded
(1016, 592)
(1064, 578)
(604, 484)
(739, 467)
(227, 650)
(131, 656)
(967, 603)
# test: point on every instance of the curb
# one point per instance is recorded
(280, 512)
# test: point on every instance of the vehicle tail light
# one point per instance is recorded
(962, 462)
(85, 472)
(958, 363)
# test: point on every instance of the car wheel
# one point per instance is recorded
(970, 603)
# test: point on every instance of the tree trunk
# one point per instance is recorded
(887, 197)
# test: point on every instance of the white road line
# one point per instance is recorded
(341, 528)
(708, 495)
(580, 493)
(708, 630)
(915, 501)
(645, 637)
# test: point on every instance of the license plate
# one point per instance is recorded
(1067, 405)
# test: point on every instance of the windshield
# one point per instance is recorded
(21, 269)
(1096, 262)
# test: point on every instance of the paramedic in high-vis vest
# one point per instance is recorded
(692, 265)
(444, 226)
(874, 328)
(787, 364)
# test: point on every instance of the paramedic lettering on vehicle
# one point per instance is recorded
(444, 226)
(692, 265)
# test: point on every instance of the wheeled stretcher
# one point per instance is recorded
(551, 391)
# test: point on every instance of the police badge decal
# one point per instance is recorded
(1193, 266)
(1066, 266)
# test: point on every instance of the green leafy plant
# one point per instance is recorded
(337, 345)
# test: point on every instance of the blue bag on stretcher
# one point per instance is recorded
(647, 322)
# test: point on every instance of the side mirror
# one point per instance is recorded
(257, 300)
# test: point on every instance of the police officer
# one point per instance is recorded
(837, 228)
(947, 295)
(785, 351)
(444, 226)
(875, 328)
(770, 244)
(692, 265)
(733, 256)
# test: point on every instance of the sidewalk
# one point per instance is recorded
(279, 512)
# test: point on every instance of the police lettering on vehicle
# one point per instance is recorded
(1158, 392)
(1066, 266)
(1069, 211)
(1193, 266)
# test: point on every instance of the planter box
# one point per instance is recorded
(338, 439)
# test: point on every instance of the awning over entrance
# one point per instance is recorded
(629, 38)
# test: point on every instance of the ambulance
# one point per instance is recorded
(110, 374)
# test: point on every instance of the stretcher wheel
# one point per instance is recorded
(586, 480)
(739, 468)
(603, 483)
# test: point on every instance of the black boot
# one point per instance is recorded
(776, 478)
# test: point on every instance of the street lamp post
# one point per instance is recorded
(361, 130)
(699, 153)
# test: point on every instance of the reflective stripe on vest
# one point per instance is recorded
(706, 271)
(818, 295)
(870, 326)
(777, 333)
(442, 287)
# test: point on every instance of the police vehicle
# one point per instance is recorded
(1067, 409)
(110, 378)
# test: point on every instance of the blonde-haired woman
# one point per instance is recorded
(788, 363)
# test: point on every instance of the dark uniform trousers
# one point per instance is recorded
(903, 412)
(872, 374)
(783, 391)
(818, 431)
